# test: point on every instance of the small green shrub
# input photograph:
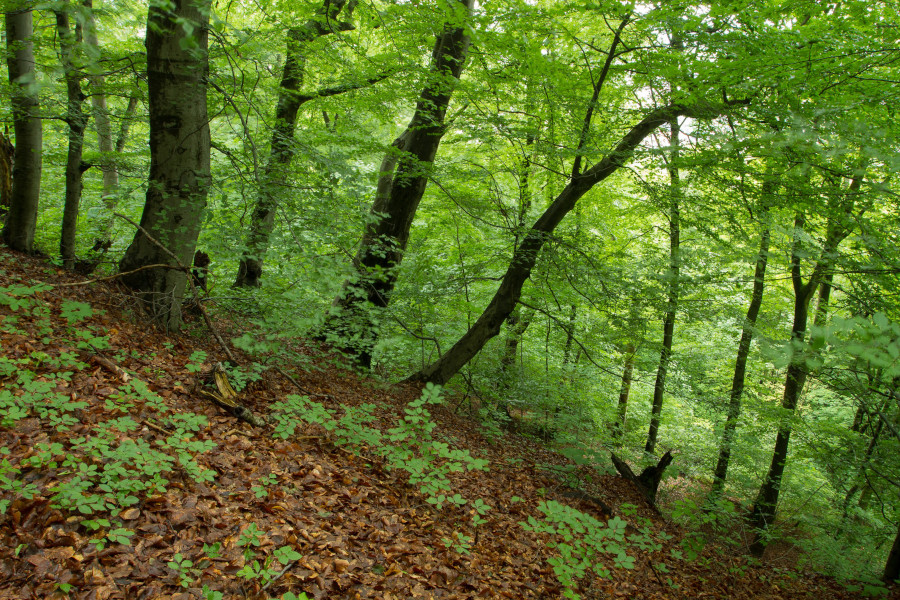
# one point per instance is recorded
(581, 541)
(409, 446)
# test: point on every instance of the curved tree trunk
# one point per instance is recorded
(18, 232)
(282, 144)
(740, 363)
(673, 275)
(77, 121)
(177, 66)
(488, 324)
(404, 175)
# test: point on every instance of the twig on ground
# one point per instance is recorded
(300, 387)
(277, 577)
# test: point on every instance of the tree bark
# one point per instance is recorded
(673, 275)
(524, 258)
(177, 66)
(740, 363)
(282, 143)
(18, 232)
(77, 121)
(624, 391)
(6, 165)
(403, 177)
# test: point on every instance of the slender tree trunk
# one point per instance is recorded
(766, 500)
(624, 391)
(763, 513)
(177, 66)
(282, 147)
(860, 477)
(108, 165)
(570, 336)
(673, 275)
(404, 175)
(77, 121)
(18, 232)
(488, 324)
(740, 363)
(517, 323)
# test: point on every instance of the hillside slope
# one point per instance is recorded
(122, 479)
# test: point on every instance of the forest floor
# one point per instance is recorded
(274, 517)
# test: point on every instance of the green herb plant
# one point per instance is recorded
(581, 542)
(409, 446)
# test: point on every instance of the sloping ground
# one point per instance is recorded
(145, 507)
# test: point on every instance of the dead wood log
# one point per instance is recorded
(648, 481)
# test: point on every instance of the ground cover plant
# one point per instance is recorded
(120, 481)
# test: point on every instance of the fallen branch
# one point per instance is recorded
(226, 398)
(111, 367)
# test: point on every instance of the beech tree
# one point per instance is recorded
(417, 254)
(76, 119)
(507, 296)
(18, 231)
(282, 143)
(177, 66)
(674, 285)
(401, 184)
(838, 227)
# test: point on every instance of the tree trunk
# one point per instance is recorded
(6, 165)
(101, 122)
(77, 121)
(624, 391)
(18, 232)
(763, 513)
(282, 143)
(740, 363)
(488, 324)
(892, 566)
(665, 355)
(403, 176)
(177, 66)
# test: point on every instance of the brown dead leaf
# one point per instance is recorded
(130, 514)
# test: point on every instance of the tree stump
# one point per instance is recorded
(648, 481)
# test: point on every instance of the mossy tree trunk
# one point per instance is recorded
(282, 146)
(77, 120)
(404, 175)
(18, 232)
(177, 66)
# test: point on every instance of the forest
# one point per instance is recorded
(658, 233)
